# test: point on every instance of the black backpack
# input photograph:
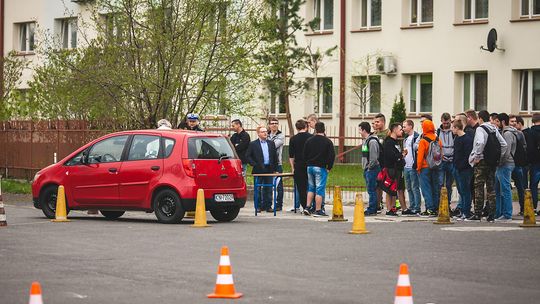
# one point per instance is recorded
(380, 158)
(520, 155)
(492, 149)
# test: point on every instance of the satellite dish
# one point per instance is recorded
(491, 42)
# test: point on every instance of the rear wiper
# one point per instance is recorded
(222, 157)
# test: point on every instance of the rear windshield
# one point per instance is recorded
(209, 148)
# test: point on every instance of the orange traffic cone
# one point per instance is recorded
(224, 282)
(35, 294)
(403, 288)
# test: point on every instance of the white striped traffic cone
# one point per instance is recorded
(224, 282)
(35, 294)
(3, 219)
(403, 288)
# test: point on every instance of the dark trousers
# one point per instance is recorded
(265, 193)
(484, 175)
(300, 179)
(279, 190)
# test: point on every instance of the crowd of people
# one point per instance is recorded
(481, 152)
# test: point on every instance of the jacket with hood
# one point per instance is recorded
(532, 135)
(447, 140)
(510, 135)
(279, 140)
(480, 140)
(428, 130)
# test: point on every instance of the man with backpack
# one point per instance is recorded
(411, 175)
(533, 152)
(428, 161)
(488, 147)
(371, 152)
(503, 174)
(446, 169)
(520, 160)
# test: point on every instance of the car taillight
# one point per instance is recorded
(189, 167)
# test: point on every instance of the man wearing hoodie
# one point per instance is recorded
(533, 153)
(429, 177)
(446, 169)
(503, 174)
(484, 175)
(371, 149)
(278, 138)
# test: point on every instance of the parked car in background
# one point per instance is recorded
(149, 170)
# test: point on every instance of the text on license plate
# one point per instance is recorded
(224, 197)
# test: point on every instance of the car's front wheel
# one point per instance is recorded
(225, 215)
(168, 207)
(47, 200)
(111, 215)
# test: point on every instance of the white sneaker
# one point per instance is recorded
(502, 219)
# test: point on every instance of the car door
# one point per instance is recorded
(141, 170)
(95, 182)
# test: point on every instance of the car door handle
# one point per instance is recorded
(154, 168)
(223, 176)
(113, 170)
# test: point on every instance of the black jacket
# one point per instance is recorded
(319, 152)
(240, 142)
(532, 136)
(255, 158)
(393, 159)
(296, 148)
(463, 146)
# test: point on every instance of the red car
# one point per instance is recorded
(150, 170)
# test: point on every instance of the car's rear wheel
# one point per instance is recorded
(225, 215)
(168, 207)
(111, 215)
(47, 200)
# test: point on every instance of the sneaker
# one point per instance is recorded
(367, 213)
(455, 213)
(432, 213)
(319, 213)
(462, 217)
(424, 214)
(491, 219)
(391, 212)
(538, 212)
(520, 213)
(294, 210)
(502, 219)
(379, 208)
(474, 218)
(407, 212)
(306, 212)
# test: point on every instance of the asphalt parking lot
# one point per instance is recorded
(287, 259)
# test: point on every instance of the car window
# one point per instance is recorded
(144, 147)
(209, 148)
(169, 146)
(75, 160)
(108, 150)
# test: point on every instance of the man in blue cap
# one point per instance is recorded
(192, 123)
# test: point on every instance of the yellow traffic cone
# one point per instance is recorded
(359, 223)
(444, 216)
(200, 211)
(61, 212)
(529, 218)
(337, 209)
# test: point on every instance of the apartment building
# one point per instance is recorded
(430, 50)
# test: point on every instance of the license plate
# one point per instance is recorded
(224, 197)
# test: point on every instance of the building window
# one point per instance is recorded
(475, 9)
(277, 102)
(420, 93)
(370, 11)
(325, 95)
(530, 8)
(529, 90)
(68, 33)
(323, 11)
(368, 91)
(475, 89)
(421, 11)
(27, 36)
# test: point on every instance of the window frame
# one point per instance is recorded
(473, 12)
(530, 91)
(472, 89)
(160, 147)
(320, 103)
(368, 93)
(122, 155)
(318, 12)
(418, 95)
(276, 100)
(70, 44)
(29, 44)
(530, 10)
(369, 12)
(419, 15)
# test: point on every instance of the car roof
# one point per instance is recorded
(164, 132)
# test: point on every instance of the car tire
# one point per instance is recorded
(47, 200)
(168, 207)
(111, 215)
(225, 215)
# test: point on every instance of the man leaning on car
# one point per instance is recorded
(262, 156)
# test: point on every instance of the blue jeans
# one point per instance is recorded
(503, 191)
(370, 176)
(279, 193)
(244, 170)
(519, 182)
(429, 184)
(463, 180)
(446, 177)
(317, 180)
(535, 179)
(412, 182)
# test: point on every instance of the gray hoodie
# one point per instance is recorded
(480, 140)
(510, 135)
(279, 140)
(373, 151)
(447, 140)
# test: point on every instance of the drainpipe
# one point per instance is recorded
(342, 53)
(2, 50)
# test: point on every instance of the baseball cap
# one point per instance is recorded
(192, 116)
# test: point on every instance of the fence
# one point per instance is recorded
(26, 146)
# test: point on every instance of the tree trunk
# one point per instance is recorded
(285, 78)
